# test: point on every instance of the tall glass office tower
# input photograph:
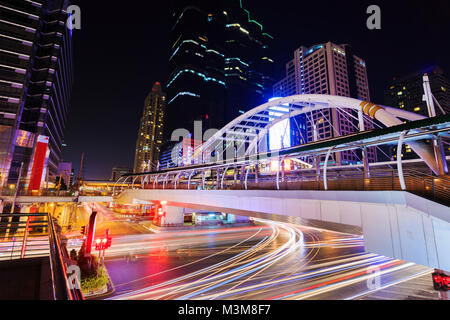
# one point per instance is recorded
(35, 85)
(218, 66)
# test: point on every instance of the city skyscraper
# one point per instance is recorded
(218, 66)
(407, 92)
(35, 87)
(150, 134)
(326, 69)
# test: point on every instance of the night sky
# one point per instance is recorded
(122, 50)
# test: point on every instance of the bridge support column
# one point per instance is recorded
(366, 163)
(242, 175)
(218, 179)
(174, 216)
(439, 153)
(317, 165)
(399, 160)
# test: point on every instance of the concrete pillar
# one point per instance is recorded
(317, 167)
(242, 175)
(218, 179)
(174, 215)
(366, 163)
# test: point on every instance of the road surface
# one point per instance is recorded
(271, 260)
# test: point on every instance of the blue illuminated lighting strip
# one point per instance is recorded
(184, 93)
(229, 59)
(198, 74)
(196, 43)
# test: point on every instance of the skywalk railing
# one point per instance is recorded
(247, 172)
(33, 235)
(384, 178)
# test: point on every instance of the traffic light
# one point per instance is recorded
(98, 244)
(441, 282)
(108, 242)
(161, 213)
(103, 243)
(83, 230)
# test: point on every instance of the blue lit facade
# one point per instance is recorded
(219, 56)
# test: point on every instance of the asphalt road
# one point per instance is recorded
(270, 260)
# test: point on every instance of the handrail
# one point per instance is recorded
(38, 238)
(60, 274)
(382, 179)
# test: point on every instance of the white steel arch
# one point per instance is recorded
(250, 128)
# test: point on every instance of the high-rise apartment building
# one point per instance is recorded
(407, 92)
(150, 135)
(218, 64)
(326, 69)
(35, 87)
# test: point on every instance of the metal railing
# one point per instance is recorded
(23, 236)
(246, 170)
(382, 178)
(34, 235)
(59, 257)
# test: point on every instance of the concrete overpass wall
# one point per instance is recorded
(396, 224)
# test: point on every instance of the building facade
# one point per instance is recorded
(407, 93)
(326, 69)
(150, 134)
(217, 66)
(117, 172)
(35, 87)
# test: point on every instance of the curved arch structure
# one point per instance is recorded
(249, 129)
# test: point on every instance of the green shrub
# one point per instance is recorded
(94, 282)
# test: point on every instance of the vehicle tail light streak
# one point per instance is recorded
(278, 265)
